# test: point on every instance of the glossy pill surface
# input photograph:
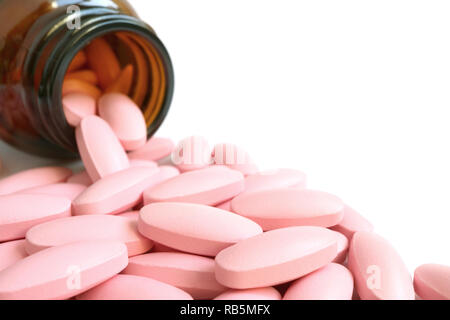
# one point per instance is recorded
(99, 148)
(11, 252)
(432, 282)
(154, 149)
(332, 282)
(116, 192)
(125, 119)
(194, 228)
(33, 178)
(378, 270)
(275, 257)
(95, 227)
(209, 186)
(278, 208)
(20, 212)
(275, 179)
(62, 272)
(66, 190)
(78, 106)
(191, 273)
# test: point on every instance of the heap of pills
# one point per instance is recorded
(208, 226)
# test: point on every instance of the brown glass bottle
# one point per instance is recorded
(39, 39)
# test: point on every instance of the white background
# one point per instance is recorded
(354, 93)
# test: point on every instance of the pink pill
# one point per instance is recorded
(379, 272)
(130, 214)
(73, 229)
(279, 208)
(158, 247)
(268, 293)
(225, 205)
(342, 248)
(78, 106)
(125, 118)
(234, 157)
(143, 163)
(99, 148)
(192, 153)
(63, 272)
(129, 287)
(67, 190)
(33, 178)
(351, 223)
(11, 252)
(166, 173)
(20, 212)
(275, 179)
(116, 192)
(332, 282)
(194, 228)
(432, 282)
(80, 178)
(275, 257)
(193, 274)
(154, 149)
(209, 186)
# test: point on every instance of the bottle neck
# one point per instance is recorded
(50, 57)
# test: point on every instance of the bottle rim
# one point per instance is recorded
(48, 102)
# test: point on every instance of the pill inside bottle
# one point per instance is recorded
(52, 50)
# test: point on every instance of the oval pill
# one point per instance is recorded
(116, 192)
(332, 282)
(154, 149)
(432, 282)
(20, 212)
(191, 273)
(209, 186)
(11, 252)
(53, 273)
(33, 178)
(67, 190)
(275, 179)
(275, 257)
(99, 148)
(73, 229)
(125, 119)
(194, 228)
(78, 106)
(285, 207)
(129, 287)
(268, 293)
(352, 222)
(378, 270)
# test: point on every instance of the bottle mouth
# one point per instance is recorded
(134, 43)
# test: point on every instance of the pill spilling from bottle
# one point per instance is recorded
(151, 220)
